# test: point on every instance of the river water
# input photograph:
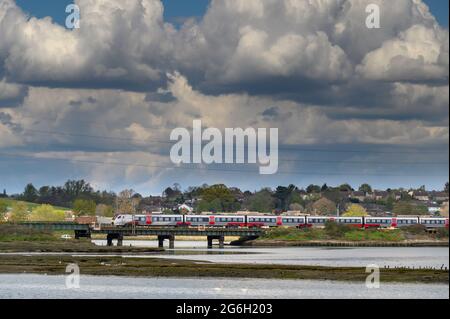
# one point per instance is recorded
(435, 257)
(41, 286)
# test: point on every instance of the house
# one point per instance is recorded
(422, 196)
(360, 196)
(440, 196)
(86, 220)
(380, 195)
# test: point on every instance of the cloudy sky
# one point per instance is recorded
(352, 104)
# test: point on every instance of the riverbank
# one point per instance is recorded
(334, 235)
(156, 267)
(337, 243)
(70, 246)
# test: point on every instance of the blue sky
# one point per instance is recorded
(181, 8)
(56, 8)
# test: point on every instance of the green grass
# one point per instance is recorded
(11, 232)
(334, 232)
(10, 202)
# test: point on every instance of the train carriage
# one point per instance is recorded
(294, 221)
(275, 221)
(430, 222)
(227, 221)
(317, 221)
(196, 220)
(350, 221)
(379, 222)
(407, 221)
(263, 221)
(166, 220)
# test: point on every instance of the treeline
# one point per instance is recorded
(66, 195)
(81, 198)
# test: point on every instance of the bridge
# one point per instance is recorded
(162, 233)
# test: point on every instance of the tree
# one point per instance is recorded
(324, 206)
(261, 201)
(126, 203)
(3, 209)
(104, 210)
(30, 194)
(313, 189)
(83, 207)
(345, 188)
(406, 208)
(446, 187)
(296, 207)
(218, 198)
(283, 195)
(355, 210)
(46, 213)
(366, 188)
(19, 212)
(76, 188)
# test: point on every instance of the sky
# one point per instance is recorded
(181, 8)
(352, 104)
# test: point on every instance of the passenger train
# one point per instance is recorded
(264, 221)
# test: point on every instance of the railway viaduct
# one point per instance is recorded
(162, 233)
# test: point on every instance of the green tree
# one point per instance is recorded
(262, 201)
(104, 210)
(407, 208)
(83, 207)
(345, 188)
(219, 198)
(19, 212)
(311, 189)
(30, 194)
(3, 209)
(365, 188)
(283, 195)
(46, 213)
(355, 210)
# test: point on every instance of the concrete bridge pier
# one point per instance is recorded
(171, 239)
(111, 237)
(221, 240)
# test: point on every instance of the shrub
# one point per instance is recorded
(11, 232)
(414, 229)
(336, 230)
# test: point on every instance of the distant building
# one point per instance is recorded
(380, 195)
(86, 220)
(440, 196)
(360, 196)
(421, 196)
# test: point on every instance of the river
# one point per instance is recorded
(42, 286)
(435, 257)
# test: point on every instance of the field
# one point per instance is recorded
(10, 202)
